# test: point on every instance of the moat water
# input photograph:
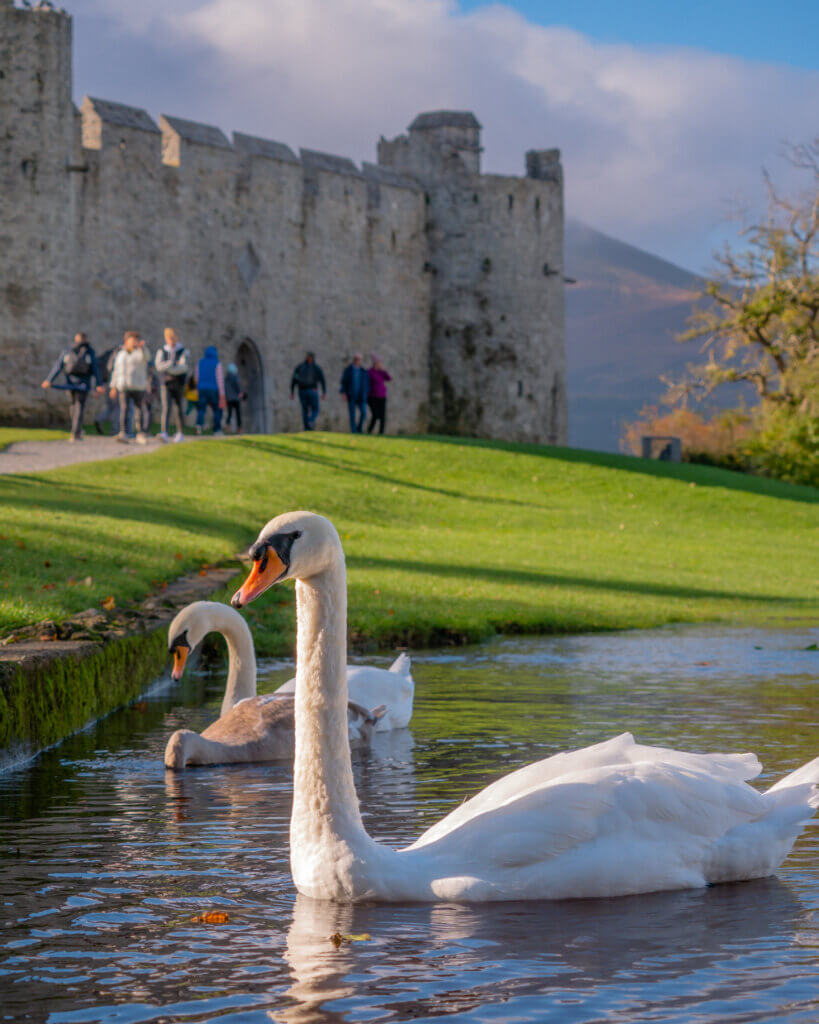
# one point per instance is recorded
(107, 860)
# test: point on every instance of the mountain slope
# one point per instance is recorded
(622, 316)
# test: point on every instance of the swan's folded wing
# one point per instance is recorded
(604, 831)
(620, 750)
(252, 719)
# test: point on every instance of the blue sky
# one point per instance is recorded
(782, 31)
(665, 120)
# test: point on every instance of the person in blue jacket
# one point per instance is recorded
(210, 382)
(82, 374)
(355, 386)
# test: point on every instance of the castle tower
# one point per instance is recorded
(497, 358)
(37, 118)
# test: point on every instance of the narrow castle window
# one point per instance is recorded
(520, 389)
(486, 265)
(474, 197)
(537, 204)
(392, 239)
(511, 201)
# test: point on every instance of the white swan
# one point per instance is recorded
(608, 820)
(369, 686)
(249, 728)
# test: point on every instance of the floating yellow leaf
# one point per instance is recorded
(338, 939)
(212, 917)
(108, 603)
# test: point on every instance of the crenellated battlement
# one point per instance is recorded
(178, 142)
(115, 219)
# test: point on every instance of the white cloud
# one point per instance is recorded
(654, 141)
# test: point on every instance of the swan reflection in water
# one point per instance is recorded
(693, 946)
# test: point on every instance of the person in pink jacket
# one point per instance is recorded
(377, 397)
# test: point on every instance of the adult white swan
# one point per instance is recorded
(249, 728)
(367, 685)
(608, 820)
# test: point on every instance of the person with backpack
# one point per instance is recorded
(79, 364)
(130, 381)
(355, 386)
(307, 377)
(171, 363)
(210, 383)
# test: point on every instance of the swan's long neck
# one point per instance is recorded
(241, 680)
(325, 807)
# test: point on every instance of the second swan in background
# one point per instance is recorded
(249, 728)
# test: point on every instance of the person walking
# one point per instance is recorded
(355, 386)
(234, 396)
(130, 381)
(79, 364)
(308, 377)
(171, 364)
(377, 400)
(210, 383)
(109, 412)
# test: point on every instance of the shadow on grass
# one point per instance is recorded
(704, 476)
(88, 500)
(533, 578)
(327, 462)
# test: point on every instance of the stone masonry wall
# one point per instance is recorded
(225, 241)
(113, 221)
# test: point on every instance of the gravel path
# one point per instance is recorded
(35, 456)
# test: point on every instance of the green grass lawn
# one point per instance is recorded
(444, 538)
(10, 435)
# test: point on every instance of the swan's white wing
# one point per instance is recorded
(371, 686)
(601, 831)
(619, 750)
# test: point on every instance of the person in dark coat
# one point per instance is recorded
(355, 386)
(82, 374)
(308, 377)
(234, 396)
(109, 411)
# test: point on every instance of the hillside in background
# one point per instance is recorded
(622, 316)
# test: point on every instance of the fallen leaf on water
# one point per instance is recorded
(109, 603)
(49, 586)
(178, 556)
(141, 705)
(338, 939)
(47, 564)
(702, 662)
(88, 581)
(212, 917)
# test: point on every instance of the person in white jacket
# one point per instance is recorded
(171, 363)
(130, 381)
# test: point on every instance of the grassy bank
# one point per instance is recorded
(445, 539)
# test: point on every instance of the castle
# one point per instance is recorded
(113, 221)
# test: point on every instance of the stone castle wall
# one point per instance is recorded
(112, 221)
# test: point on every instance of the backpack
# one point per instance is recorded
(78, 362)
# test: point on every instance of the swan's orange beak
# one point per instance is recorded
(180, 656)
(266, 571)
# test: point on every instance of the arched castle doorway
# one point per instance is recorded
(251, 374)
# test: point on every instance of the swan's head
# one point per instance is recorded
(177, 751)
(188, 630)
(296, 545)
